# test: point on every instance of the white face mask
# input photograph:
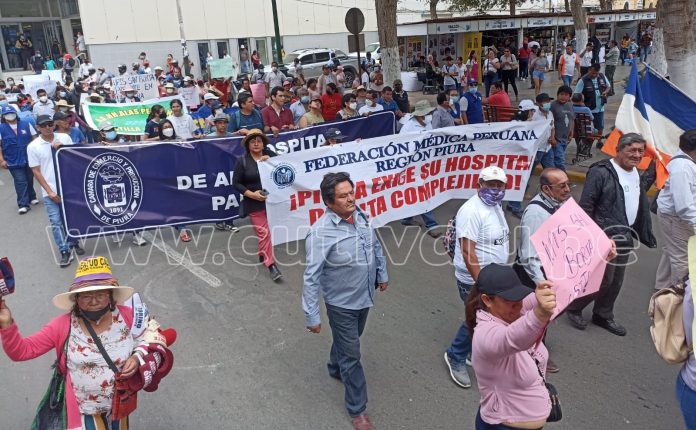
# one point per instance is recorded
(353, 105)
(43, 99)
(169, 132)
(11, 117)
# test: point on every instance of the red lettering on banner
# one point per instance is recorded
(377, 206)
(315, 214)
(478, 162)
(383, 183)
(360, 190)
(430, 169)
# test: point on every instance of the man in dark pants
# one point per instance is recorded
(615, 199)
(346, 263)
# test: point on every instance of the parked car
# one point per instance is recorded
(373, 48)
(312, 61)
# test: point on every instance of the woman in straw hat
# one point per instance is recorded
(89, 382)
(247, 181)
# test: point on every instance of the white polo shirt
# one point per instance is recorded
(40, 154)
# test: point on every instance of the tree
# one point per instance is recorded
(485, 6)
(566, 3)
(389, 47)
(433, 8)
(580, 23)
(674, 39)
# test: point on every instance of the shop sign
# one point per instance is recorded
(648, 15)
(541, 22)
(498, 24)
(627, 17)
(456, 27)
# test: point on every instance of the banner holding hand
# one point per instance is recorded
(7, 281)
(573, 250)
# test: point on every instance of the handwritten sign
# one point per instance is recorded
(33, 83)
(190, 96)
(222, 68)
(53, 75)
(572, 249)
(145, 85)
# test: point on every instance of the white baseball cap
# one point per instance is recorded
(527, 105)
(493, 173)
(209, 96)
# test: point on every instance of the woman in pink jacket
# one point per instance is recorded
(89, 381)
(507, 323)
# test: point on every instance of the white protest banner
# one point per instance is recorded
(145, 85)
(190, 96)
(398, 176)
(54, 75)
(572, 249)
(32, 83)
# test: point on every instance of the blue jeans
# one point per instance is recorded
(461, 345)
(524, 68)
(56, 220)
(644, 54)
(23, 179)
(347, 326)
(558, 152)
(567, 80)
(488, 81)
(687, 402)
(428, 219)
(481, 425)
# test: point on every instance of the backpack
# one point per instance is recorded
(667, 328)
(665, 312)
(449, 239)
(71, 62)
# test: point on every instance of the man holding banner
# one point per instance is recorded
(346, 263)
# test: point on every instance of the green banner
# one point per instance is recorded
(128, 118)
(222, 68)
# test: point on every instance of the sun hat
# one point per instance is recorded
(169, 85)
(493, 173)
(221, 116)
(501, 281)
(253, 133)
(64, 103)
(92, 274)
(422, 108)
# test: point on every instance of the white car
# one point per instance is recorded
(373, 48)
(313, 59)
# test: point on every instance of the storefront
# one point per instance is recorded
(28, 26)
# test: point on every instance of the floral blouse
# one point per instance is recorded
(92, 380)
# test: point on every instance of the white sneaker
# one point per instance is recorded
(35, 202)
(138, 239)
(23, 210)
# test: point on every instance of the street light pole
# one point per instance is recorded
(279, 56)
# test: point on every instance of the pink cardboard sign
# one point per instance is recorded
(573, 251)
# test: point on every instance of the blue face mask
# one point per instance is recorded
(473, 90)
(454, 99)
(304, 100)
(547, 107)
(491, 196)
(111, 135)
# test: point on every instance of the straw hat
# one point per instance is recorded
(422, 108)
(253, 133)
(92, 274)
(64, 103)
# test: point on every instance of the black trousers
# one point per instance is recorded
(509, 78)
(608, 291)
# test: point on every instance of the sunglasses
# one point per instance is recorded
(47, 124)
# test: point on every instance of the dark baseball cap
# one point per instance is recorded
(43, 119)
(59, 116)
(333, 133)
(543, 97)
(501, 281)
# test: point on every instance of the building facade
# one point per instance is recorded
(117, 31)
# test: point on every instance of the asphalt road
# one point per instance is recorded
(245, 361)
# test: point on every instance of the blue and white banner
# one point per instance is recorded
(117, 188)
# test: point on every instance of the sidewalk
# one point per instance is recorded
(576, 172)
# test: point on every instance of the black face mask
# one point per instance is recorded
(94, 316)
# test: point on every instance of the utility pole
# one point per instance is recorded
(184, 51)
(278, 47)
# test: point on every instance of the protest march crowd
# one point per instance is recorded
(508, 307)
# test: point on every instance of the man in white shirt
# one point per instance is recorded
(483, 238)
(274, 78)
(585, 59)
(567, 64)
(371, 104)
(676, 213)
(418, 121)
(40, 156)
(614, 198)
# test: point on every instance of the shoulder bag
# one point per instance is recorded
(125, 401)
(556, 414)
(51, 413)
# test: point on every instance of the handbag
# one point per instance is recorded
(51, 413)
(125, 401)
(556, 413)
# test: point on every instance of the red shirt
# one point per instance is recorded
(499, 99)
(524, 53)
(273, 119)
(331, 104)
(224, 88)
